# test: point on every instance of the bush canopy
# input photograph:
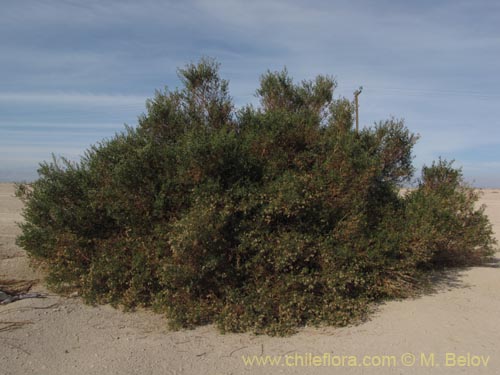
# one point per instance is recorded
(256, 219)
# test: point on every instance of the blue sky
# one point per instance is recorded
(73, 72)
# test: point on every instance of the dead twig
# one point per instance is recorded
(12, 286)
(236, 350)
(11, 326)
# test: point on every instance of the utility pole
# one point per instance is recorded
(356, 94)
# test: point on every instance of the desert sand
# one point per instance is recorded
(59, 335)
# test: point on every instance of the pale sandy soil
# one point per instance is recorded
(62, 336)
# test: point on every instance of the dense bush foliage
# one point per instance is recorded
(259, 219)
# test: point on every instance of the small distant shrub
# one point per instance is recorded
(258, 220)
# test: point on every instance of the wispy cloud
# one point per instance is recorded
(66, 63)
(72, 98)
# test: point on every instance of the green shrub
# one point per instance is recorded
(258, 220)
(450, 229)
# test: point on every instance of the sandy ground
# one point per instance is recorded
(59, 335)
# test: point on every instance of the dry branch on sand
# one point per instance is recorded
(13, 290)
